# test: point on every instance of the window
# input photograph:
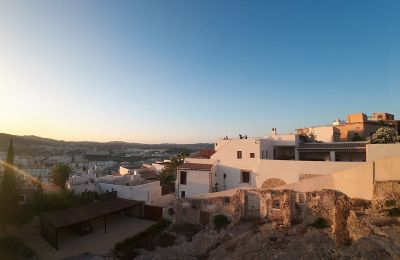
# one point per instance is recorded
(262, 155)
(183, 194)
(276, 204)
(239, 154)
(182, 177)
(252, 155)
(245, 177)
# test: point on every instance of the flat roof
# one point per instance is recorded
(71, 216)
(195, 166)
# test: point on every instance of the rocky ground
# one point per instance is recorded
(370, 237)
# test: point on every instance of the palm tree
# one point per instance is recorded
(168, 174)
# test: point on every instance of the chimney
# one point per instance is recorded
(274, 131)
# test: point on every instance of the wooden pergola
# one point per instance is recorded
(51, 222)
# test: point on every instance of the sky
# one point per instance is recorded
(193, 71)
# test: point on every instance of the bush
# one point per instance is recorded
(150, 231)
(320, 223)
(390, 203)
(171, 212)
(394, 212)
(220, 221)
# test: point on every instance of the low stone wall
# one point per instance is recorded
(385, 191)
(283, 207)
(202, 211)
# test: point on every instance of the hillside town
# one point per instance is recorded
(340, 178)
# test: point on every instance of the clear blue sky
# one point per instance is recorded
(193, 71)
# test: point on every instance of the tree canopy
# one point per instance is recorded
(8, 189)
(308, 137)
(60, 174)
(385, 135)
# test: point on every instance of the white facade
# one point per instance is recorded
(252, 149)
(253, 167)
(146, 192)
(131, 187)
(197, 181)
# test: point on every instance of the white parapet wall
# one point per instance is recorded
(262, 170)
(356, 182)
(145, 192)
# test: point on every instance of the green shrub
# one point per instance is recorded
(171, 211)
(220, 221)
(130, 241)
(320, 223)
(394, 212)
(390, 203)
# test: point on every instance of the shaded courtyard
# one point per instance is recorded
(70, 244)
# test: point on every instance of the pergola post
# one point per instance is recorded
(105, 224)
(56, 239)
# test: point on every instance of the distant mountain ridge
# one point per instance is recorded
(32, 140)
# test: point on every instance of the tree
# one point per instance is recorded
(308, 137)
(168, 174)
(385, 135)
(8, 190)
(60, 174)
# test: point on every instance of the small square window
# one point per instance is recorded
(239, 154)
(183, 194)
(276, 204)
(252, 155)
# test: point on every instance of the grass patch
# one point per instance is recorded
(320, 223)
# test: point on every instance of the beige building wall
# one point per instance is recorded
(387, 169)
(290, 171)
(380, 151)
(355, 182)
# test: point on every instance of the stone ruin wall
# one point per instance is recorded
(189, 210)
(385, 191)
(294, 207)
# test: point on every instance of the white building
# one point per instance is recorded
(195, 178)
(251, 162)
(128, 186)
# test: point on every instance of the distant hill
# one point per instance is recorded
(32, 140)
